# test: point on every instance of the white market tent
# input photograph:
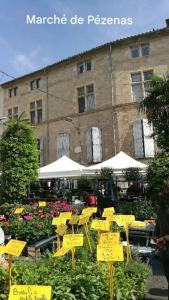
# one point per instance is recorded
(118, 163)
(61, 168)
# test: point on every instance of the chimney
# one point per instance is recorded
(167, 23)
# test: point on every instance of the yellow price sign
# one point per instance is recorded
(74, 220)
(33, 292)
(58, 221)
(108, 214)
(2, 250)
(89, 210)
(121, 220)
(15, 247)
(73, 240)
(100, 225)
(112, 253)
(42, 203)
(62, 251)
(61, 229)
(109, 209)
(83, 219)
(19, 210)
(109, 238)
(138, 224)
(65, 215)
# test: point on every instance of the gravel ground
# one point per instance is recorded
(157, 288)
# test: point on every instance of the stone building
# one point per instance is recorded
(86, 106)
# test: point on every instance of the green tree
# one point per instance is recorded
(18, 159)
(156, 105)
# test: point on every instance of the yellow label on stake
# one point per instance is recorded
(100, 225)
(14, 247)
(32, 292)
(83, 219)
(138, 224)
(108, 214)
(73, 240)
(42, 203)
(19, 210)
(121, 220)
(62, 251)
(113, 253)
(106, 209)
(109, 238)
(74, 220)
(61, 229)
(58, 221)
(2, 250)
(65, 215)
(89, 210)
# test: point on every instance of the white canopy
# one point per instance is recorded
(118, 163)
(63, 167)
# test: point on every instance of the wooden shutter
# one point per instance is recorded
(148, 139)
(89, 145)
(97, 146)
(62, 145)
(138, 139)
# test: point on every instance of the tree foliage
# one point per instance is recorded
(18, 159)
(156, 105)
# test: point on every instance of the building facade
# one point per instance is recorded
(87, 106)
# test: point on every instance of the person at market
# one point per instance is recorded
(162, 228)
(2, 237)
(91, 199)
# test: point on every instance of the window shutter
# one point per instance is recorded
(89, 145)
(138, 139)
(97, 146)
(62, 145)
(148, 139)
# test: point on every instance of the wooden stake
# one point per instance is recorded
(9, 271)
(87, 235)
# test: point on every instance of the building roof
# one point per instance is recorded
(90, 51)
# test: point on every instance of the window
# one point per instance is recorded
(12, 92)
(40, 148)
(84, 66)
(140, 84)
(62, 145)
(13, 112)
(36, 113)
(143, 140)
(94, 145)
(35, 84)
(86, 98)
(140, 50)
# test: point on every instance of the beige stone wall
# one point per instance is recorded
(61, 81)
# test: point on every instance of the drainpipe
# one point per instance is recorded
(47, 117)
(112, 99)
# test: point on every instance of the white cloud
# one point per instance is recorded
(26, 62)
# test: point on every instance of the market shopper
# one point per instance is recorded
(162, 228)
(2, 237)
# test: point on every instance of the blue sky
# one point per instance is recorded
(25, 48)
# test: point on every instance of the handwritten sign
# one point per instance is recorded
(61, 229)
(121, 220)
(73, 240)
(62, 251)
(109, 238)
(138, 224)
(31, 292)
(65, 215)
(100, 225)
(14, 247)
(89, 210)
(74, 220)
(83, 219)
(2, 250)
(58, 221)
(107, 214)
(113, 253)
(42, 203)
(19, 210)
